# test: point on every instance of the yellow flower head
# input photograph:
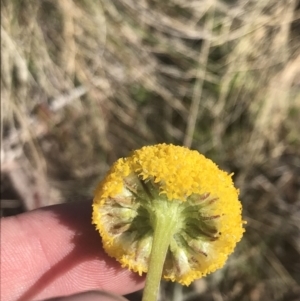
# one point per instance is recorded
(167, 180)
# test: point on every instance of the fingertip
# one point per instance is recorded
(57, 251)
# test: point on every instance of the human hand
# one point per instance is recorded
(55, 251)
(90, 296)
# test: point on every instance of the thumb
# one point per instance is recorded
(90, 296)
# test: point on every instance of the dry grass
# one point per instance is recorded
(85, 82)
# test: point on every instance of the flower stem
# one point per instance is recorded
(164, 226)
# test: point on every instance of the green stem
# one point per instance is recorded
(164, 224)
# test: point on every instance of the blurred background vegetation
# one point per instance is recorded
(84, 82)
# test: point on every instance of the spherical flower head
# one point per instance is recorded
(167, 181)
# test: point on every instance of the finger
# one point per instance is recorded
(55, 251)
